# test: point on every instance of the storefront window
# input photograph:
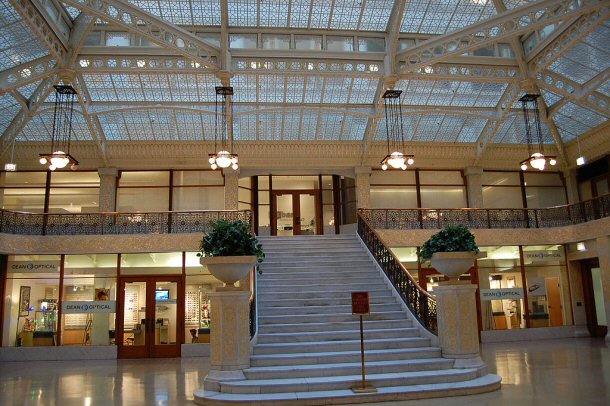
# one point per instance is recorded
(547, 286)
(154, 263)
(89, 299)
(31, 302)
(501, 288)
(197, 310)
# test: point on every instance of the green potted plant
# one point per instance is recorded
(230, 250)
(451, 251)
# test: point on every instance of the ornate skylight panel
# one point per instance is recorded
(320, 13)
(113, 126)
(244, 127)
(299, 13)
(572, 120)
(309, 124)
(189, 126)
(409, 122)
(269, 126)
(414, 92)
(271, 89)
(363, 90)
(355, 127)
(39, 128)
(550, 98)
(183, 12)
(451, 93)
(587, 58)
(471, 130)
(313, 89)
(294, 89)
(346, 15)
(243, 13)
(330, 126)
(512, 131)
(18, 44)
(440, 16)
(605, 88)
(245, 88)
(292, 121)
(336, 90)
(427, 127)
(27, 90)
(274, 13)
(72, 11)
(511, 4)
(376, 15)
(9, 108)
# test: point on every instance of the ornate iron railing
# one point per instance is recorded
(114, 223)
(253, 312)
(489, 218)
(420, 302)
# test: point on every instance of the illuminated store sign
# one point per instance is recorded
(502, 294)
(543, 256)
(34, 266)
(98, 306)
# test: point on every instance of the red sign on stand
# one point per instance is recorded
(360, 303)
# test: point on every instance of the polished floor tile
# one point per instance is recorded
(557, 372)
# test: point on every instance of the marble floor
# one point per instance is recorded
(556, 372)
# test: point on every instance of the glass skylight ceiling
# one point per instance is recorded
(312, 95)
(18, 44)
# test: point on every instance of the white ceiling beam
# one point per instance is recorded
(151, 27)
(27, 73)
(574, 92)
(93, 124)
(40, 27)
(83, 25)
(575, 33)
(502, 27)
(25, 115)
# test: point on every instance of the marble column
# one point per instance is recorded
(603, 253)
(108, 179)
(363, 187)
(231, 189)
(457, 324)
(230, 336)
(474, 183)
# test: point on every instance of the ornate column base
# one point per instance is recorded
(230, 336)
(457, 324)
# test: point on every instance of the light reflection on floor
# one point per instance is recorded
(557, 372)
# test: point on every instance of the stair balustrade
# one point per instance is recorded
(420, 302)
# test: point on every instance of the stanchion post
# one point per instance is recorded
(361, 306)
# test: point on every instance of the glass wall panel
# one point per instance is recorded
(371, 44)
(31, 300)
(24, 179)
(23, 199)
(542, 179)
(144, 178)
(197, 198)
(74, 200)
(397, 197)
(441, 178)
(308, 42)
(502, 197)
(197, 178)
(334, 43)
(263, 197)
(243, 41)
(443, 197)
(547, 286)
(545, 196)
(197, 310)
(392, 178)
(92, 279)
(244, 195)
(165, 263)
(75, 179)
(142, 199)
(328, 216)
(295, 182)
(274, 41)
(501, 288)
(501, 178)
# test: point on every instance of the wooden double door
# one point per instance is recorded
(150, 316)
(296, 212)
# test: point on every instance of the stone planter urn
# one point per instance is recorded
(229, 269)
(453, 264)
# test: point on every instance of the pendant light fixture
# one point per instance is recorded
(11, 166)
(533, 135)
(223, 141)
(396, 157)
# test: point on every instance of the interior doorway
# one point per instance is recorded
(597, 322)
(150, 316)
(295, 212)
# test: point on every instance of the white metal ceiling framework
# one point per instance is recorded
(305, 70)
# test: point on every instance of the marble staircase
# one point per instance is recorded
(308, 344)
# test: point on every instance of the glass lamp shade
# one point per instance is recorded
(59, 161)
(223, 159)
(396, 160)
(538, 161)
(10, 167)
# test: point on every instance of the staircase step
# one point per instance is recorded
(336, 335)
(265, 303)
(339, 346)
(318, 287)
(345, 280)
(318, 260)
(343, 356)
(337, 317)
(302, 310)
(316, 294)
(333, 326)
(348, 368)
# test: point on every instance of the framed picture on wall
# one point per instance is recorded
(24, 301)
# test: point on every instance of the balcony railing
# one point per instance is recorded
(114, 223)
(489, 218)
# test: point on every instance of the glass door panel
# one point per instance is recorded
(307, 206)
(284, 215)
(166, 311)
(134, 314)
